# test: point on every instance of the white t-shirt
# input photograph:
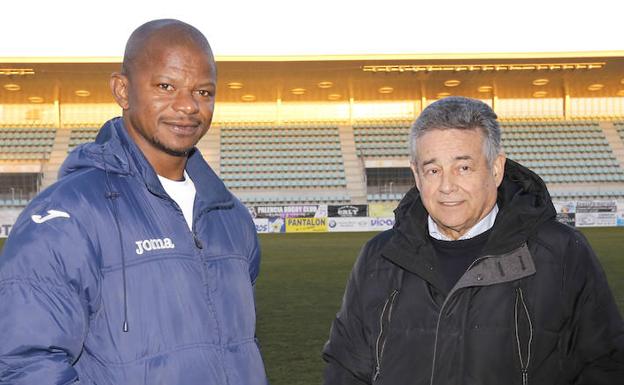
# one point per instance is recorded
(183, 193)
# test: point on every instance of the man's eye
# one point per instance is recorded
(165, 86)
(204, 93)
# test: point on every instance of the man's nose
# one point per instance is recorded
(447, 182)
(186, 103)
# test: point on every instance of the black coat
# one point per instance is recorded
(535, 308)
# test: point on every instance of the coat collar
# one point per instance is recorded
(115, 152)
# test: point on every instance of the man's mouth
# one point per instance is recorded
(451, 203)
(182, 128)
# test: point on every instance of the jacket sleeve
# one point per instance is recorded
(595, 338)
(252, 243)
(348, 351)
(43, 311)
(254, 260)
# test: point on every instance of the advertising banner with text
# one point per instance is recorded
(335, 211)
(290, 211)
(566, 212)
(8, 217)
(381, 223)
(306, 225)
(262, 225)
(381, 209)
(596, 213)
(349, 224)
(277, 225)
(620, 216)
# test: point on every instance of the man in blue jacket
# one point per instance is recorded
(138, 265)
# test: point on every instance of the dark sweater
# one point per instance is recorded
(454, 257)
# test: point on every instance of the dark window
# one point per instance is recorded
(19, 188)
(389, 180)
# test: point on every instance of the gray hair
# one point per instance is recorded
(458, 112)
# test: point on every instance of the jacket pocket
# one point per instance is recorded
(523, 334)
(384, 322)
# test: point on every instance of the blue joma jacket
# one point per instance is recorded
(102, 282)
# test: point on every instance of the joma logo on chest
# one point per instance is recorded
(153, 244)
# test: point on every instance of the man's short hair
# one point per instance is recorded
(170, 31)
(458, 112)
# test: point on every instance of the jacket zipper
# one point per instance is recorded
(442, 308)
(524, 365)
(446, 300)
(381, 340)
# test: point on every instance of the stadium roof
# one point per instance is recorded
(340, 78)
(333, 50)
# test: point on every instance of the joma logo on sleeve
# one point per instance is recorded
(51, 215)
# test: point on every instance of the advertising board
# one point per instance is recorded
(306, 225)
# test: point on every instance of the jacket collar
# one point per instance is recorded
(115, 152)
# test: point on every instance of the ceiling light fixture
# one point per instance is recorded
(595, 87)
(540, 82)
(82, 93)
(12, 87)
(16, 71)
(298, 91)
(484, 67)
(235, 85)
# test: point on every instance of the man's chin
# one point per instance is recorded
(179, 153)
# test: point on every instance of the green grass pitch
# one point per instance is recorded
(301, 284)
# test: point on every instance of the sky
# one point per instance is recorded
(319, 27)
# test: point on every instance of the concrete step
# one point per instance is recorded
(210, 147)
(615, 141)
(57, 156)
(354, 167)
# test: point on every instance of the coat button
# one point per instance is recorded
(479, 277)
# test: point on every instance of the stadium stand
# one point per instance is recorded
(26, 143)
(619, 126)
(267, 157)
(563, 151)
(384, 138)
(384, 197)
(295, 163)
(80, 135)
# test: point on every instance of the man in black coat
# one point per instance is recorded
(477, 283)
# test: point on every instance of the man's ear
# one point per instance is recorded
(415, 172)
(119, 88)
(498, 168)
